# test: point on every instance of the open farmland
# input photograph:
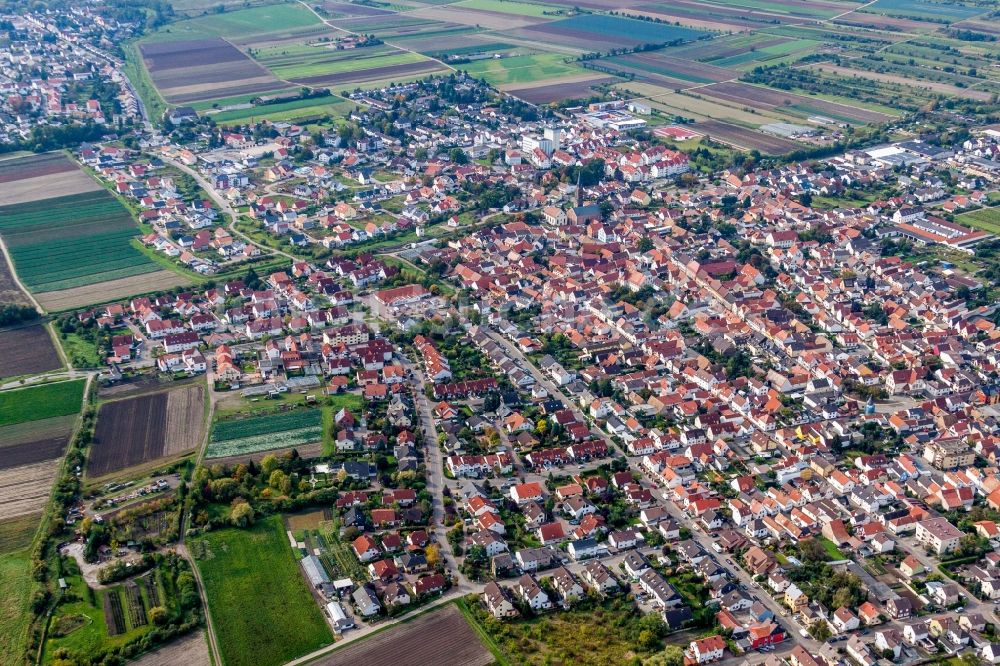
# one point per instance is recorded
(147, 428)
(68, 241)
(35, 441)
(10, 292)
(597, 32)
(987, 219)
(29, 449)
(767, 98)
(192, 70)
(239, 436)
(27, 179)
(263, 613)
(455, 643)
(522, 69)
(190, 650)
(110, 290)
(289, 19)
(312, 63)
(27, 351)
(16, 586)
(744, 138)
(41, 402)
(555, 90)
(389, 72)
(299, 109)
(946, 12)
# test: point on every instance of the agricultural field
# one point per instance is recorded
(298, 110)
(767, 98)
(41, 402)
(270, 22)
(190, 650)
(199, 69)
(548, 91)
(938, 12)
(110, 290)
(16, 588)
(239, 436)
(27, 179)
(507, 7)
(62, 241)
(322, 64)
(147, 428)
(599, 32)
(262, 610)
(987, 219)
(35, 441)
(522, 69)
(455, 642)
(744, 138)
(27, 351)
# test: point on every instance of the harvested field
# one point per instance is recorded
(190, 650)
(190, 70)
(744, 138)
(377, 74)
(556, 90)
(768, 98)
(344, 9)
(27, 351)
(111, 290)
(136, 430)
(26, 488)
(183, 433)
(33, 166)
(44, 176)
(456, 644)
(35, 451)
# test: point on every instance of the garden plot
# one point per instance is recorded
(239, 436)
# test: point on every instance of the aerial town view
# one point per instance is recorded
(500, 332)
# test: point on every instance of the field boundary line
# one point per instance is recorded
(17, 278)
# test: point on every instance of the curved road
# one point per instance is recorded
(225, 206)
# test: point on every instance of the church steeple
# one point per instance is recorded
(579, 192)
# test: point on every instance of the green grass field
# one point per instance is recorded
(987, 219)
(71, 241)
(522, 69)
(509, 7)
(294, 110)
(285, 18)
(41, 402)
(300, 61)
(262, 610)
(15, 613)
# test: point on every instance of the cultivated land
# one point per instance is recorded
(240, 436)
(193, 70)
(27, 351)
(43, 176)
(15, 611)
(24, 489)
(34, 441)
(189, 650)
(263, 613)
(440, 636)
(41, 402)
(110, 290)
(143, 429)
(71, 239)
